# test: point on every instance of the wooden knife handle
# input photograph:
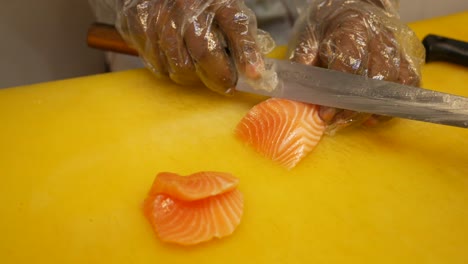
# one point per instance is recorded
(440, 48)
(106, 37)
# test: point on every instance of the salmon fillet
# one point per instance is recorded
(188, 210)
(282, 130)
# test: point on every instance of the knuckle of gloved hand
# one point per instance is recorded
(248, 52)
(345, 43)
(339, 52)
(242, 20)
(408, 74)
(384, 61)
(184, 75)
(220, 83)
(234, 18)
(180, 69)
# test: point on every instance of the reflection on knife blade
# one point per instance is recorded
(326, 87)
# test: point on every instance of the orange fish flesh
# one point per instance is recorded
(282, 130)
(193, 209)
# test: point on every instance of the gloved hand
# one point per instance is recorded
(362, 37)
(211, 41)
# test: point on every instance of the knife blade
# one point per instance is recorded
(326, 87)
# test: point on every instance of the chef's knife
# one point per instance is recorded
(331, 88)
(348, 91)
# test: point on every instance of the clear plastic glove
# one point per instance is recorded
(362, 37)
(211, 41)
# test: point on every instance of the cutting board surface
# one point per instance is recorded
(78, 157)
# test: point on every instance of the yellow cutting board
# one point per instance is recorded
(78, 157)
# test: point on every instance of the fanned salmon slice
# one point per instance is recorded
(193, 221)
(284, 131)
(196, 186)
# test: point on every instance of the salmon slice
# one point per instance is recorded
(284, 131)
(193, 222)
(174, 218)
(196, 186)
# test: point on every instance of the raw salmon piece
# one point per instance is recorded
(193, 222)
(282, 130)
(194, 187)
(195, 208)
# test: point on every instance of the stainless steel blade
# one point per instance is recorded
(347, 91)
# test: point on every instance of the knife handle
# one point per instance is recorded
(445, 49)
(106, 37)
